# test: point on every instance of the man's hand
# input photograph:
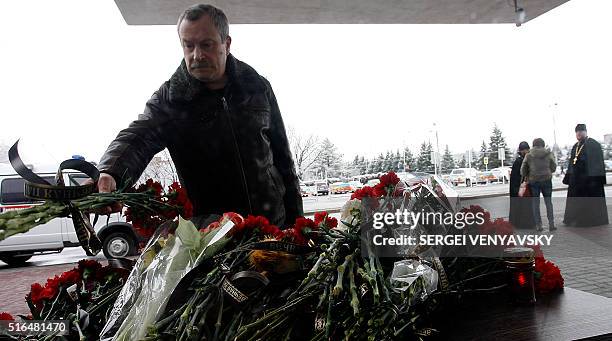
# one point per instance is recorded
(107, 184)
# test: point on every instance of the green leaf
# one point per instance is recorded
(188, 233)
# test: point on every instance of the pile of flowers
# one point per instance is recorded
(82, 295)
(242, 278)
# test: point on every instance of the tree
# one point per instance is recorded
(329, 161)
(363, 165)
(463, 162)
(398, 165)
(410, 162)
(472, 162)
(305, 151)
(448, 163)
(161, 168)
(484, 152)
(423, 162)
(497, 141)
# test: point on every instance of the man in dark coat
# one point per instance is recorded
(221, 124)
(586, 177)
(521, 213)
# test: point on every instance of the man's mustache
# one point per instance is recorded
(199, 65)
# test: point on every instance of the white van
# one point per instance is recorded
(117, 236)
(467, 176)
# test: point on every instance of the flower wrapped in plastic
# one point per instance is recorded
(167, 258)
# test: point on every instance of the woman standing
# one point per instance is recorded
(521, 215)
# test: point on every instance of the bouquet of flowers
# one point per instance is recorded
(82, 296)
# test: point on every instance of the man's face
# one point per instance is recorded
(581, 135)
(205, 54)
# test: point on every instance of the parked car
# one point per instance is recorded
(486, 177)
(322, 187)
(467, 176)
(118, 237)
(339, 188)
(355, 185)
(608, 164)
(502, 174)
(304, 190)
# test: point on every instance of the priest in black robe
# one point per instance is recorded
(521, 210)
(586, 177)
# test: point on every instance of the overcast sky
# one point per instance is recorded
(73, 74)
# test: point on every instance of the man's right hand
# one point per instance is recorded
(107, 184)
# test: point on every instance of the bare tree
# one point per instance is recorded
(161, 168)
(306, 150)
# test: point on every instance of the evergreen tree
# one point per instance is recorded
(497, 141)
(410, 162)
(388, 163)
(380, 163)
(473, 162)
(484, 152)
(398, 165)
(423, 162)
(448, 163)
(462, 162)
(363, 165)
(329, 161)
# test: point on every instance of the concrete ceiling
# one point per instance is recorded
(166, 12)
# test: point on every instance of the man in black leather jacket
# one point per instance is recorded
(221, 124)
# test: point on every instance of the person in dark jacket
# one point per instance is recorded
(521, 211)
(221, 124)
(586, 177)
(538, 168)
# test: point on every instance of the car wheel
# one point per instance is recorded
(118, 245)
(13, 259)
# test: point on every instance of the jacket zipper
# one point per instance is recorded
(237, 150)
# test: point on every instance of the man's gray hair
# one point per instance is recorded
(538, 142)
(219, 19)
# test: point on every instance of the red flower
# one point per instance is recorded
(70, 277)
(548, 276)
(6, 317)
(387, 184)
(323, 217)
(364, 192)
(295, 235)
(250, 224)
(34, 295)
(305, 223)
(51, 288)
(178, 197)
(272, 230)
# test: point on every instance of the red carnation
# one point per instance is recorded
(250, 224)
(51, 288)
(70, 277)
(548, 276)
(34, 295)
(387, 184)
(323, 217)
(364, 192)
(272, 230)
(6, 317)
